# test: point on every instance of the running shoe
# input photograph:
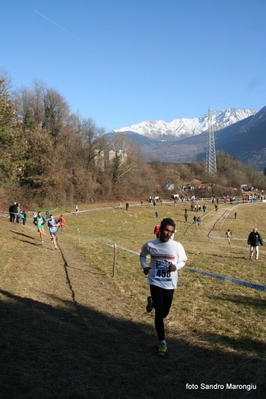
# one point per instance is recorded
(162, 349)
(55, 246)
(149, 306)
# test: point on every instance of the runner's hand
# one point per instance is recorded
(172, 267)
(146, 270)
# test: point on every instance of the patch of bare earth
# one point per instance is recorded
(67, 331)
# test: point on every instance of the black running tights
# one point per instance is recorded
(162, 300)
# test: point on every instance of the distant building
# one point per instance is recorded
(169, 185)
(121, 154)
(101, 158)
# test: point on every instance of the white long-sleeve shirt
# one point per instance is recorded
(162, 254)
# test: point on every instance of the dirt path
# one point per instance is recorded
(56, 276)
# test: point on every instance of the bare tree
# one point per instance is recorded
(56, 112)
(29, 103)
(126, 157)
(42, 107)
(11, 144)
(93, 140)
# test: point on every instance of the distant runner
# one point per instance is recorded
(39, 221)
(62, 222)
(228, 236)
(52, 225)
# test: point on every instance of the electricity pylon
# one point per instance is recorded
(211, 170)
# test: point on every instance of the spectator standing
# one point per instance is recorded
(23, 217)
(198, 221)
(254, 239)
(12, 209)
(16, 212)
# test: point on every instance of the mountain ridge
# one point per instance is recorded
(244, 139)
(185, 127)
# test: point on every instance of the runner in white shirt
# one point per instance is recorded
(167, 256)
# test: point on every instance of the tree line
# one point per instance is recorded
(52, 156)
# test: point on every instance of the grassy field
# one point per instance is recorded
(75, 325)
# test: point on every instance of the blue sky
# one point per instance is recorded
(121, 62)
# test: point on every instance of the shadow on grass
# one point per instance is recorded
(75, 352)
(22, 234)
(28, 242)
(244, 300)
(238, 343)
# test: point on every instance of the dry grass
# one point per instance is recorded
(71, 330)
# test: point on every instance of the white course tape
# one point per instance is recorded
(258, 287)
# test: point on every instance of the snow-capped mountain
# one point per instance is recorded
(239, 133)
(185, 127)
